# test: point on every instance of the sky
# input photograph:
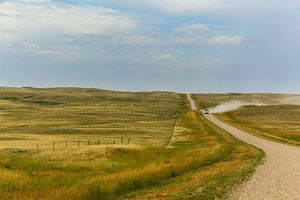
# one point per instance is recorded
(144, 45)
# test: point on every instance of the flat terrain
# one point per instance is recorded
(277, 178)
(200, 162)
(277, 122)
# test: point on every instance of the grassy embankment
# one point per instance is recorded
(276, 122)
(203, 162)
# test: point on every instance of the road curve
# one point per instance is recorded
(278, 178)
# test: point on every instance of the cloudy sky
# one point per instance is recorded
(188, 46)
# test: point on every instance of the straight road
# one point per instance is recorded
(192, 102)
(278, 178)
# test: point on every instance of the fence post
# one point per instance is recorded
(66, 143)
(98, 142)
(78, 143)
(122, 140)
(89, 142)
(53, 145)
(37, 148)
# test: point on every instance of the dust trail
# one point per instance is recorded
(290, 100)
(236, 104)
(233, 105)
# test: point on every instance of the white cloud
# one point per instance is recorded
(165, 56)
(191, 39)
(182, 7)
(35, 20)
(219, 8)
(197, 7)
(192, 28)
(226, 40)
(199, 34)
(135, 40)
(205, 39)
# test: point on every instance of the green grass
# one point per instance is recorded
(202, 161)
(213, 160)
(279, 122)
(205, 166)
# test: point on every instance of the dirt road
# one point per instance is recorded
(278, 178)
(192, 102)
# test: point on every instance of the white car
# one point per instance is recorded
(206, 111)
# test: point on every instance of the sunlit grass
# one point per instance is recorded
(212, 100)
(42, 115)
(278, 122)
(111, 173)
(201, 162)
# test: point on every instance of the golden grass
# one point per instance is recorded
(212, 100)
(203, 163)
(192, 167)
(73, 113)
(210, 181)
(278, 122)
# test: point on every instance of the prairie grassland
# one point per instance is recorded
(29, 115)
(278, 119)
(202, 161)
(205, 165)
(212, 100)
(277, 122)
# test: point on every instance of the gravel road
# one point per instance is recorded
(277, 179)
(279, 176)
(192, 102)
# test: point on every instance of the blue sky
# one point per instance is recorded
(187, 46)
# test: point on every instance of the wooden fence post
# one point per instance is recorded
(53, 146)
(78, 143)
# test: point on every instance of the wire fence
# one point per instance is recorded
(69, 144)
(169, 141)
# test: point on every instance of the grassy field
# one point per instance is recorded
(201, 162)
(42, 115)
(277, 122)
(278, 119)
(212, 100)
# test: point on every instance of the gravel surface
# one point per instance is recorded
(279, 176)
(192, 102)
